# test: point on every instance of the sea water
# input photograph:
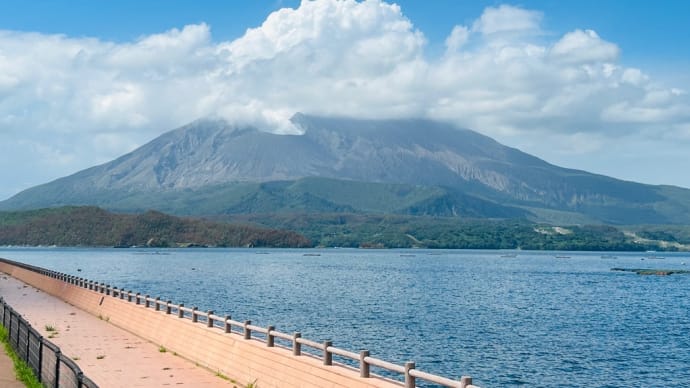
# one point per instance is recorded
(542, 319)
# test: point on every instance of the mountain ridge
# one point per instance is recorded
(472, 171)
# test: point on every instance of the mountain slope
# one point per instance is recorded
(440, 169)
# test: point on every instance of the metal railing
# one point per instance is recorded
(50, 366)
(322, 350)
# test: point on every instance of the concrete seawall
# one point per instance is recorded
(230, 354)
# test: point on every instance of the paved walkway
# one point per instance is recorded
(108, 355)
(7, 376)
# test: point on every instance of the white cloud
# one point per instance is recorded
(87, 100)
(584, 47)
(634, 77)
(457, 38)
(507, 19)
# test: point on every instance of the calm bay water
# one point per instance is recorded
(534, 319)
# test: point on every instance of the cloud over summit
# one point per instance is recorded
(88, 100)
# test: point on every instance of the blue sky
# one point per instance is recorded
(647, 32)
(594, 85)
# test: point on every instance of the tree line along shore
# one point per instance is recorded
(95, 227)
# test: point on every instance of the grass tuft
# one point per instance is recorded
(253, 384)
(22, 370)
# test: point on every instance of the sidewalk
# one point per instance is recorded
(108, 355)
(7, 377)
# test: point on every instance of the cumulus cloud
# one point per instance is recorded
(457, 38)
(68, 103)
(506, 18)
(584, 47)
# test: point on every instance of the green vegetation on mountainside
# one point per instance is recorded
(308, 195)
(391, 231)
(91, 226)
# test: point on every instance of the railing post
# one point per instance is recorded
(409, 379)
(157, 307)
(209, 320)
(270, 338)
(296, 346)
(180, 312)
(28, 341)
(40, 359)
(247, 331)
(129, 296)
(194, 316)
(327, 356)
(363, 365)
(136, 298)
(114, 292)
(168, 308)
(146, 300)
(228, 326)
(57, 368)
(107, 289)
(465, 381)
(80, 379)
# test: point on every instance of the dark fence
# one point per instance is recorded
(52, 368)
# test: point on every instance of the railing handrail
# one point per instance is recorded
(344, 353)
(408, 371)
